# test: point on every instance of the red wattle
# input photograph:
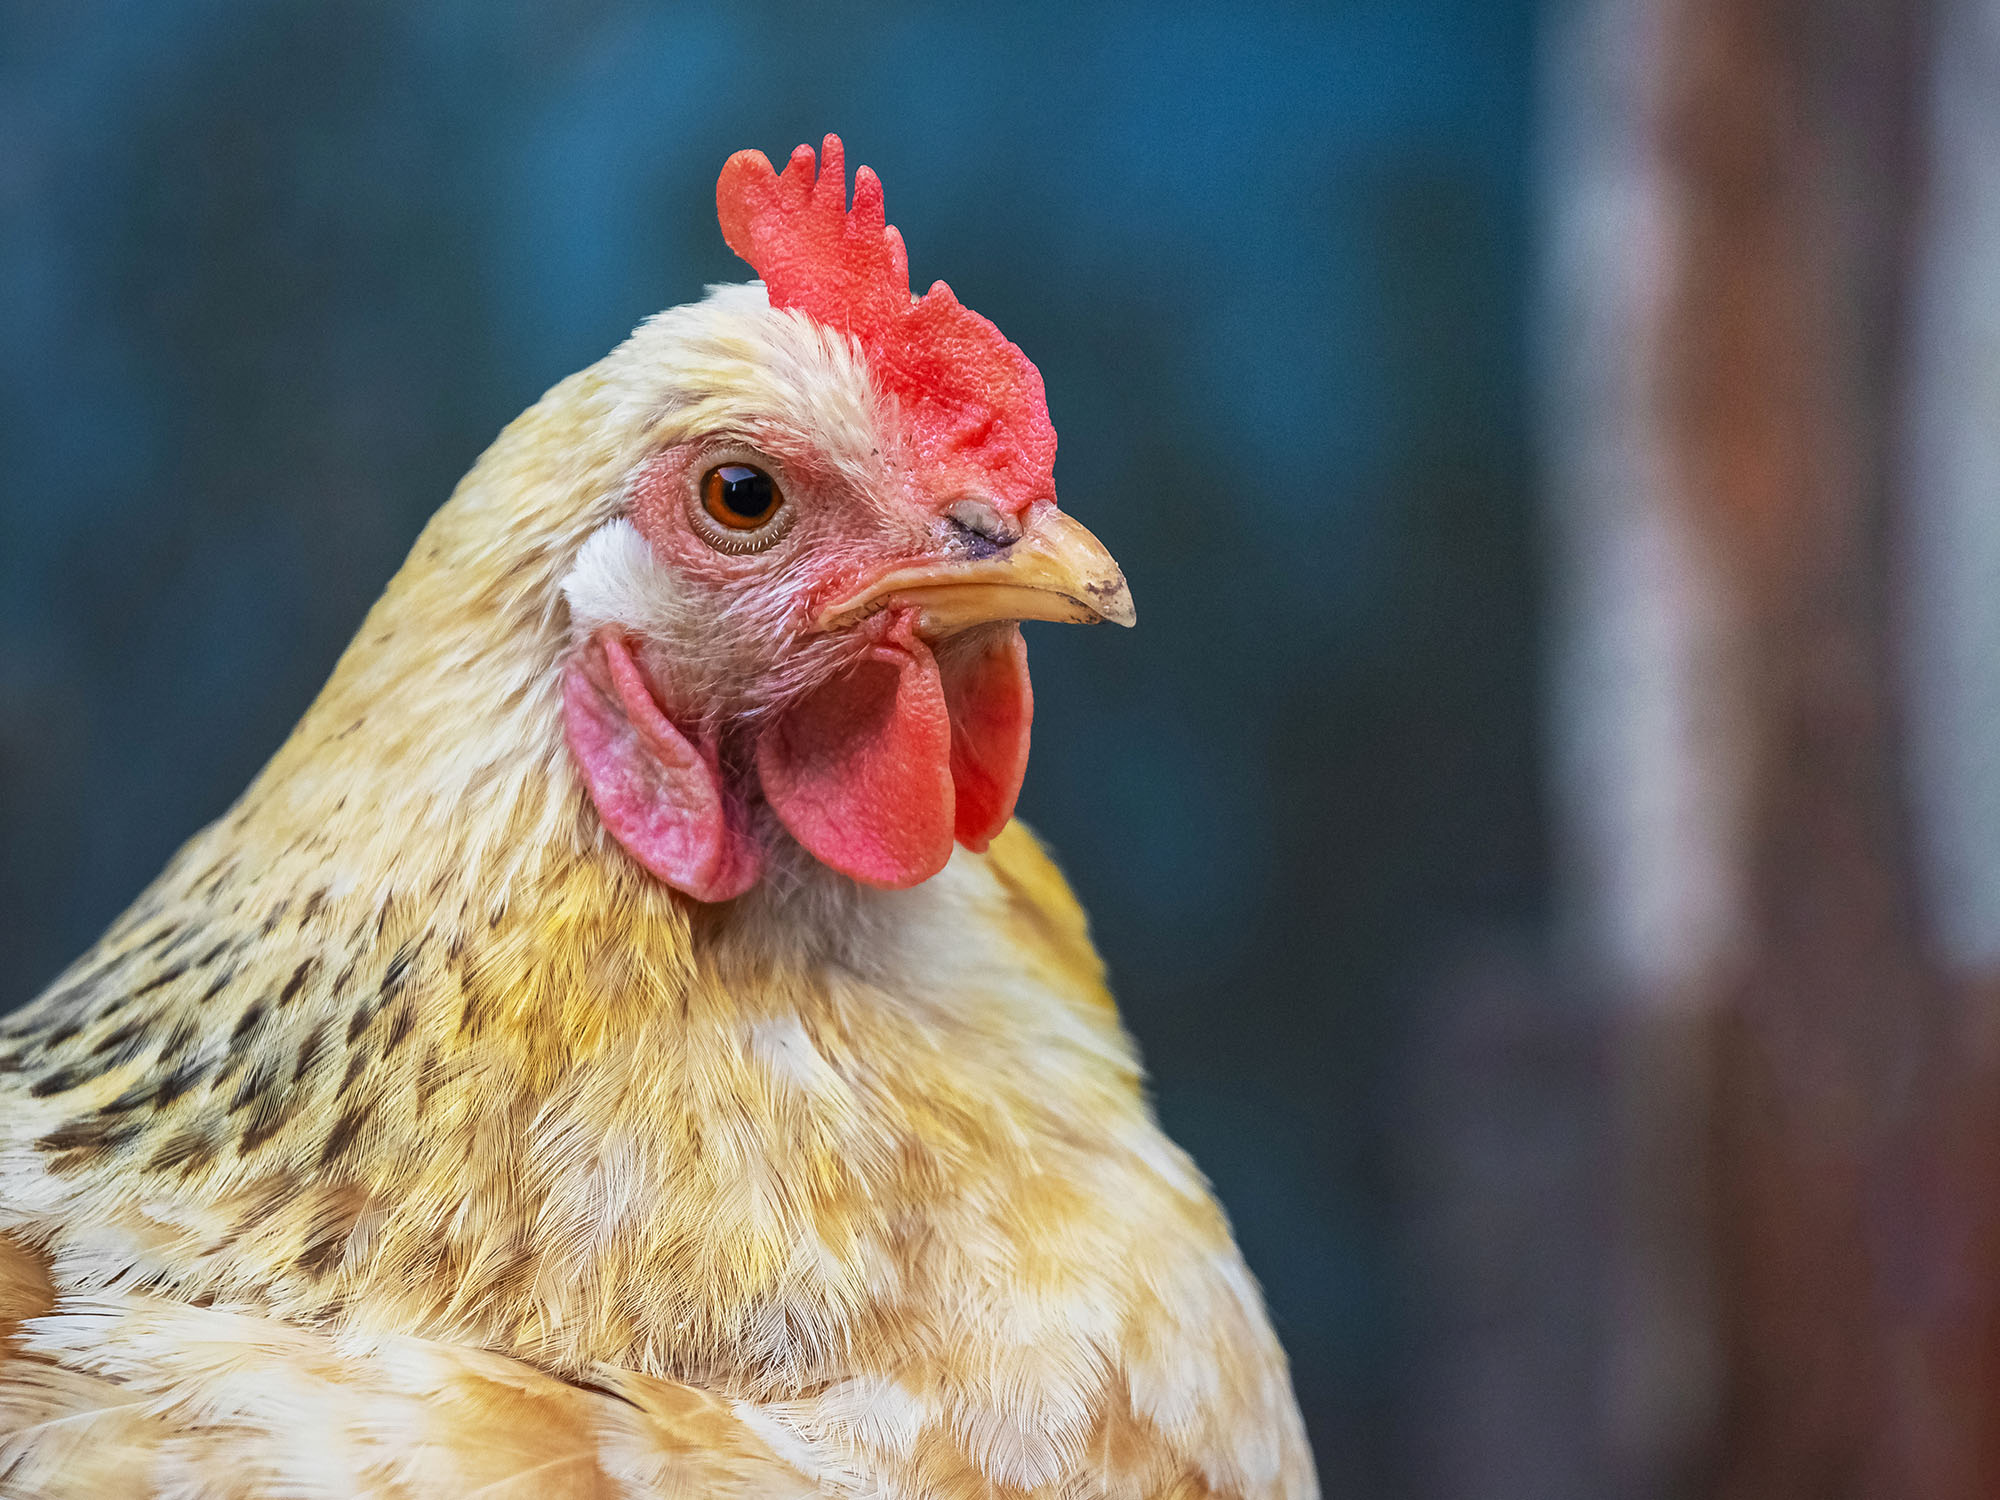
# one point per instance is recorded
(991, 704)
(659, 794)
(859, 771)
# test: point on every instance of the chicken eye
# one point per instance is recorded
(740, 497)
(739, 508)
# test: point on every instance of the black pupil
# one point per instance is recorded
(746, 492)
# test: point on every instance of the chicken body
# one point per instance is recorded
(411, 1137)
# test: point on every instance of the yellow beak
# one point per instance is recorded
(1056, 571)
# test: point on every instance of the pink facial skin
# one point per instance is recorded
(659, 795)
(859, 771)
(911, 745)
(991, 707)
(875, 772)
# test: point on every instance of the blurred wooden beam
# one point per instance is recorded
(1752, 493)
(1790, 133)
(1642, 736)
(1950, 609)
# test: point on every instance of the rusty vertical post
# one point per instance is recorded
(1789, 134)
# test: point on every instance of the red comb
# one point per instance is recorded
(969, 398)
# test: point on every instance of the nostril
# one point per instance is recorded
(983, 522)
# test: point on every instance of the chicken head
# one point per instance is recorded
(804, 621)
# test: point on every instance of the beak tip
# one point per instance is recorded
(1112, 601)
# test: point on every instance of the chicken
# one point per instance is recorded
(621, 1044)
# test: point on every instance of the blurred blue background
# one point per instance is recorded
(272, 275)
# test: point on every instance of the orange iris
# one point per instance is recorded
(740, 497)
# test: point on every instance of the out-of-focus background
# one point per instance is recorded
(1546, 830)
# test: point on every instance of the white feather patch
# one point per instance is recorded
(617, 580)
